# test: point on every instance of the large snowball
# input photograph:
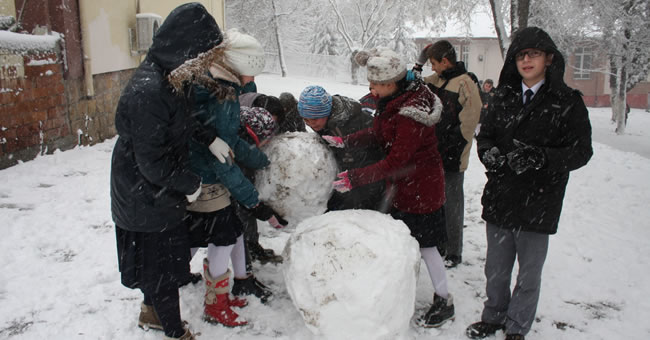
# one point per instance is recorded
(352, 274)
(298, 183)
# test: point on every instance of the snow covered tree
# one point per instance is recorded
(625, 27)
(265, 20)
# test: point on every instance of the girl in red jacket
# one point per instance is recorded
(404, 128)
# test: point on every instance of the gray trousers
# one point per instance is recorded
(517, 309)
(454, 212)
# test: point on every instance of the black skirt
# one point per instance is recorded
(154, 261)
(221, 228)
(429, 230)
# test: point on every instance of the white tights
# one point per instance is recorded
(437, 272)
(219, 256)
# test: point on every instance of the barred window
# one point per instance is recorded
(464, 57)
(582, 63)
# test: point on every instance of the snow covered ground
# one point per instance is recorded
(59, 274)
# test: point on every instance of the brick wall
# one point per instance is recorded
(40, 111)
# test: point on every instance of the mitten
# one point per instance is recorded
(264, 213)
(493, 159)
(422, 58)
(191, 198)
(334, 141)
(526, 157)
(343, 184)
(221, 150)
(275, 222)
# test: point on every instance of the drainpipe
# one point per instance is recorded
(85, 45)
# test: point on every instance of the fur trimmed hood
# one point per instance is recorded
(424, 107)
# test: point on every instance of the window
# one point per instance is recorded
(582, 63)
(464, 57)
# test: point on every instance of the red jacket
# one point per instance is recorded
(404, 129)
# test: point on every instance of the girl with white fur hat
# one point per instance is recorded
(404, 128)
(220, 77)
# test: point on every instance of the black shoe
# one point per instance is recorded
(191, 278)
(250, 286)
(451, 261)
(440, 312)
(515, 337)
(480, 330)
(264, 256)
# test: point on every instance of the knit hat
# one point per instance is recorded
(259, 120)
(384, 65)
(243, 53)
(314, 102)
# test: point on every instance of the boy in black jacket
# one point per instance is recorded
(536, 131)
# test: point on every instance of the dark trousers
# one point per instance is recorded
(454, 212)
(515, 309)
(166, 305)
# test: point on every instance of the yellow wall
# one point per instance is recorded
(105, 28)
(8, 8)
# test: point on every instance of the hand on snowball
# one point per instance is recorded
(265, 213)
(334, 141)
(343, 184)
(222, 151)
(191, 198)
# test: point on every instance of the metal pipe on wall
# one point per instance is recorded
(85, 45)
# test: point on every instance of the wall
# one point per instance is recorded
(41, 110)
(7, 8)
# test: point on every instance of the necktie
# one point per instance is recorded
(528, 95)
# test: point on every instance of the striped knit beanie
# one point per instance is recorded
(314, 103)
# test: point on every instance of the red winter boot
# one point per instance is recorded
(232, 301)
(217, 301)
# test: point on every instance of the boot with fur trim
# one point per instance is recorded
(217, 301)
(232, 301)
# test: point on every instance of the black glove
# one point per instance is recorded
(493, 159)
(422, 58)
(526, 157)
(264, 212)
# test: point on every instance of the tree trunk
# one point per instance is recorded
(502, 35)
(276, 28)
(354, 68)
(519, 11)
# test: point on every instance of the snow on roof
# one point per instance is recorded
(27, 42)
(481, 26)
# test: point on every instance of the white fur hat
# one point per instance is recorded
(384, 65)
(243, 53)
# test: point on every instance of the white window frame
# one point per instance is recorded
(583, 59)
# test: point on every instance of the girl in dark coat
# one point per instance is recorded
(404, 128)
(151, 182)
(535, 132)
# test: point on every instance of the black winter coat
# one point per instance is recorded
(150, 173)
(346, 117)
(556, 120)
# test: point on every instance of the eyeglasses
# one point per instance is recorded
(530, 53)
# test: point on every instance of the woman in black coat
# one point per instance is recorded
(535, 132)
(150, 178)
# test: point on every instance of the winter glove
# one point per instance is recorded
(265, 213)
(343, 184)
(493, 159)
(275, 223)
(422, 59)
(191, 198)
(222, 151)
(334, 141)
(525, 157)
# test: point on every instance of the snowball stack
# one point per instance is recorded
(352, 274)
(298, 183)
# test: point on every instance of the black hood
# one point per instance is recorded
(186, 32)
(532, 37)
